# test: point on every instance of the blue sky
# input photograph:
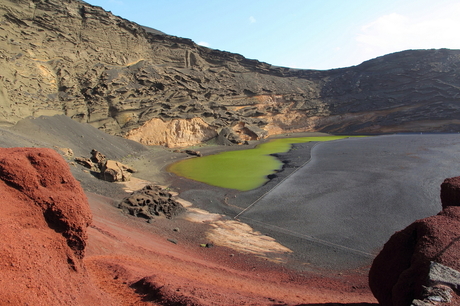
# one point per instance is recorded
(309, 34)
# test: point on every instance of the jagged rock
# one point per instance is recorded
(151, 201)
(248, 132)
(87, 163)
(442, 275)
(169, 91)
(193, 153)
(108, 170)
(450, 192)
(400, 270)
(98, 158)
(228, 137)
(114, 171)
(441, 283)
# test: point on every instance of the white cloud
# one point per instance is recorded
(252, 19)
(203, 43)
(396, 32)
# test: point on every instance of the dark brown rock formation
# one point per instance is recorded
(450, 192)
(151, 201)
(400, 271)
(43, 223)
(68, 57)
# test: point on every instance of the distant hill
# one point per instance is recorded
(68, 57)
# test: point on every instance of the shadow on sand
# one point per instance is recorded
(340, 304)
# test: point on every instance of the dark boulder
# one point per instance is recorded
(151, 201)
(450, 192)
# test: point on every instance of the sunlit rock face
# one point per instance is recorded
(173, 133)
(68, 57)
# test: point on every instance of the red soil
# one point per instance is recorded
(48, 257)
(43, 231)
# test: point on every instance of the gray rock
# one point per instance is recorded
(442, 275)
(441, 284)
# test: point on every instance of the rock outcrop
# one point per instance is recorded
(106, 169)
(114, 171)
(439, 286)
(43, 223)
(68, 57)
(401, 270)
(150, 202)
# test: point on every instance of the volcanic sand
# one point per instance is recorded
(123, 249)
(333, 212)
(337, 210)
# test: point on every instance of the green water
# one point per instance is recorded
(242, 170)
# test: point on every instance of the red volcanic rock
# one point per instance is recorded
(450, 192)
(43, 223)
(399, 271)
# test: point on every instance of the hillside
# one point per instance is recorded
(68, 57)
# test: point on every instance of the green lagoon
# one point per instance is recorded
(242, 170)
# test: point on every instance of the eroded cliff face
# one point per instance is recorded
(175, 133)
(68, 57)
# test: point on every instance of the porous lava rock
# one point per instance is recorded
(151, 201)
(401, 269)
(45, 215)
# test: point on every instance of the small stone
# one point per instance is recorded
(172, 241)
(176, 229)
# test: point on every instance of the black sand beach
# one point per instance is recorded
(337, 210)
(334, 205)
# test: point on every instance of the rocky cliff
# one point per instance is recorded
(68, 57)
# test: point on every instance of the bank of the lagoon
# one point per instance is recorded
(244, 169)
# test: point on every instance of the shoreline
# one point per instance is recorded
(116, 236)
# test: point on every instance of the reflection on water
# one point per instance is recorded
(242, 170)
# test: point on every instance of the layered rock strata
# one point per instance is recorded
(68, 57)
